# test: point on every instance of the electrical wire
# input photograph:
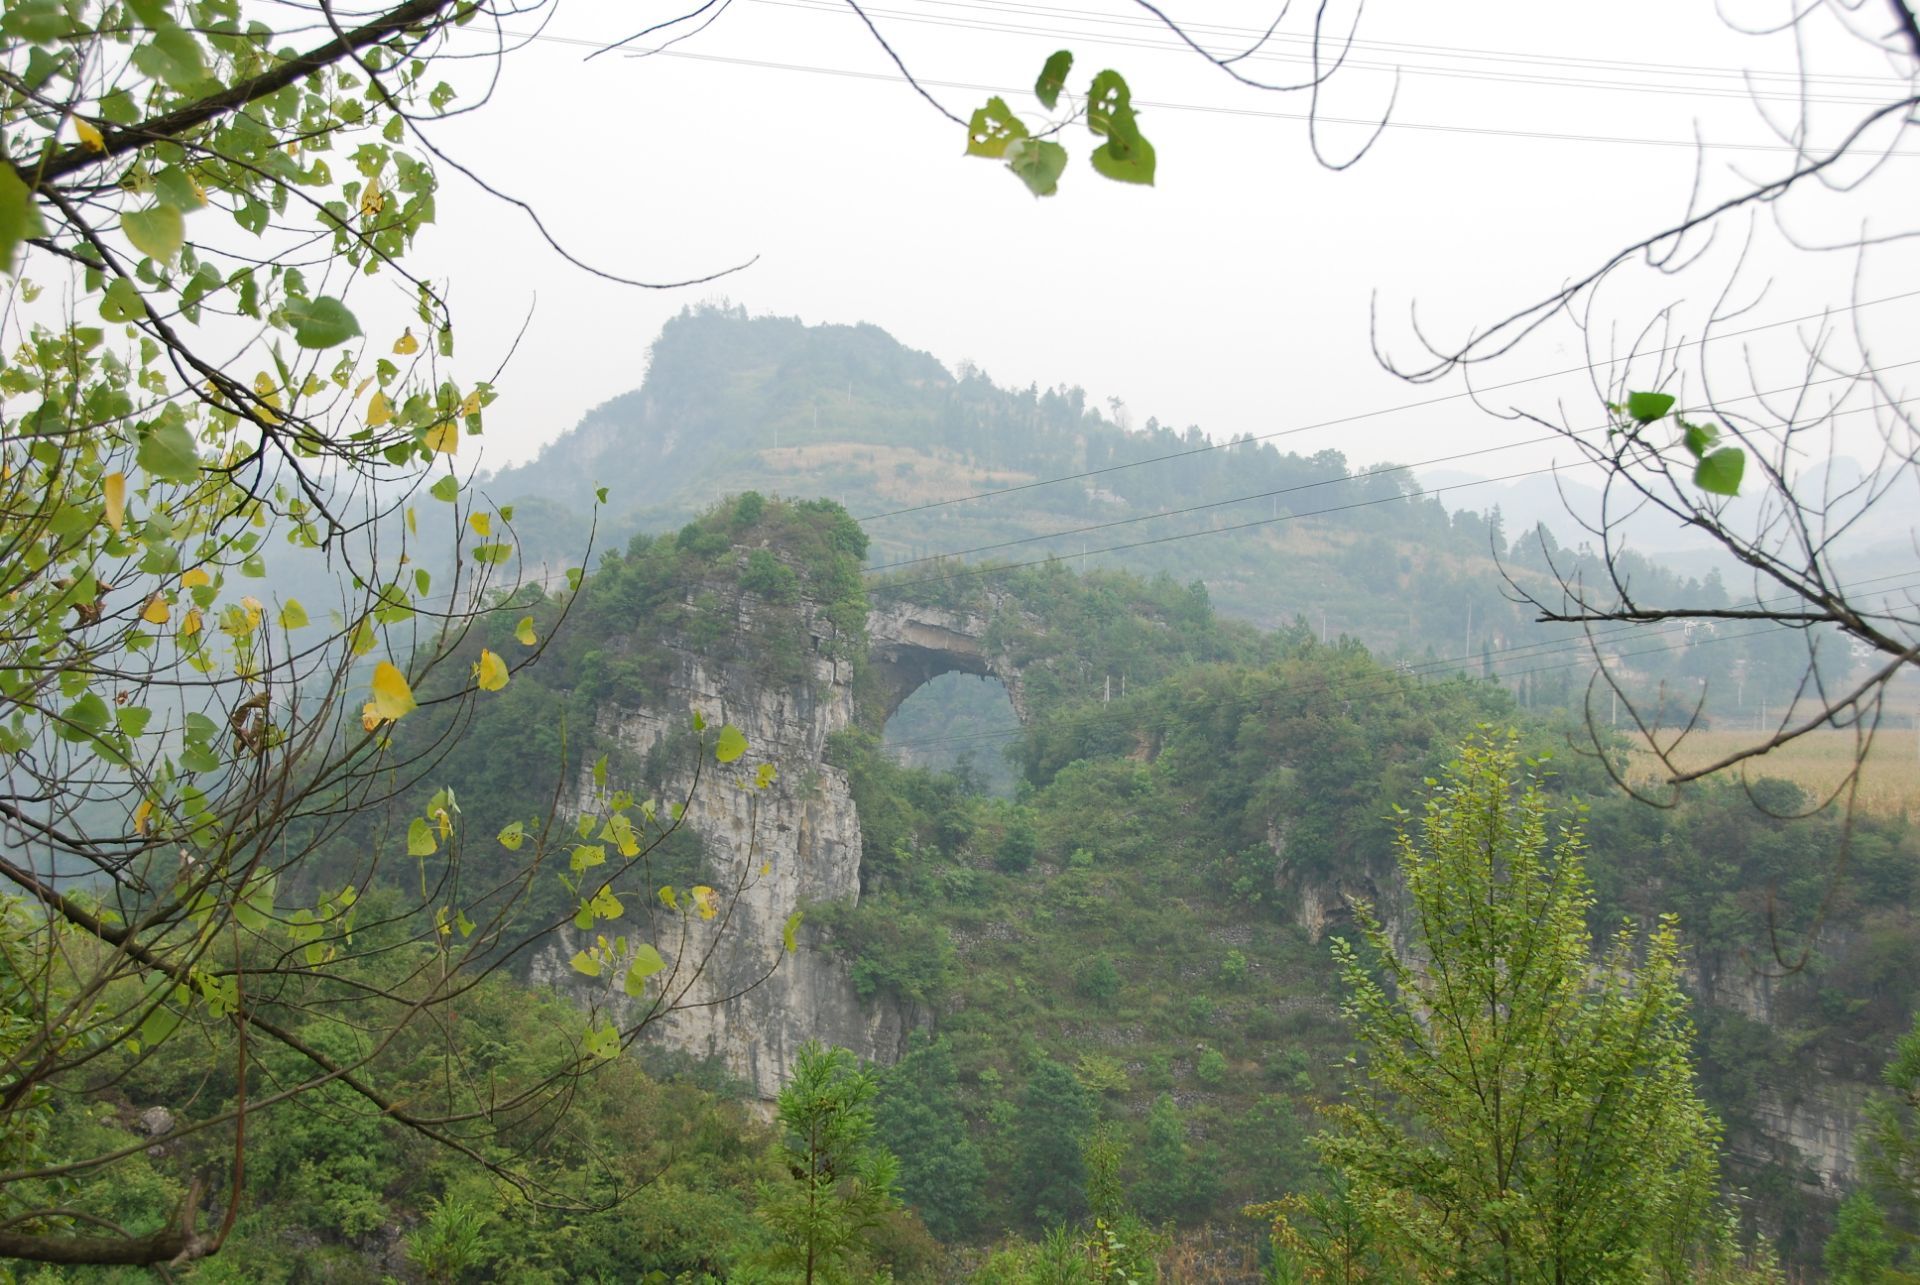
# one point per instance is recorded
(1212, 109)
(1147, 42)
(1376, 413)
(1367, 475)
(1451, 666)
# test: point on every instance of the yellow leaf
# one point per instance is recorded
(491, 672)
(143, 815)
(369, 716)
(406, 345)
(444, 439)
(471, 406)
(482, 523)
(194, 578)
(379, 410)
(705, 898)
(89, 135)
(115, 485)
(253, 609)
(361, 387)
(523, 632)
(267, 390)
(444, 820)
(190, 623)
(413, 521)
(156, 612)
(392, 698)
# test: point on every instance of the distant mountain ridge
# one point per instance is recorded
(733, 402)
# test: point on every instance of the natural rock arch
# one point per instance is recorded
(909, 644)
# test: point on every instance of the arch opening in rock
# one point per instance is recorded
(958, 721)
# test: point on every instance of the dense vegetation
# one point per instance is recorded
(1122, 972)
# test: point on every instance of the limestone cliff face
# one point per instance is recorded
(1808, 1128)
(737, 994)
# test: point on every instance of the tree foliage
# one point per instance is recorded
(1520, 1111)
(843, 1179)
(201, 214)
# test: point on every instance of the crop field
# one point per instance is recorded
(1817, 762)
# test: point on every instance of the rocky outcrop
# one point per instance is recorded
(908, 643)
(735, 993)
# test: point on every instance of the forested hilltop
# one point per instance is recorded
(1120, 985)
(1277, 530)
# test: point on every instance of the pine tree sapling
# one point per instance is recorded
(842, 1179)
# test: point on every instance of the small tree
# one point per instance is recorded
(1859, 1252)
(843, 1180)
(1521, 1113)
(1892, 1147)
(1055, 1115)
(918, 1113)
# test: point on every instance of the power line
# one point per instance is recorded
(1002, 568)
(1445, 51)
(1421, 404)
(1453, 665)
(968, 572)
(1164, 105)
(1356, 477)
(1172, 44)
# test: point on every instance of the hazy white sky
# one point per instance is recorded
(1233, 295)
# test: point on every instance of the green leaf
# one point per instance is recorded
(254, 909)
(1720, 472)
(1108, 98)
(646, 962)
(157, 233)
(446, 489)
(600, 773)
(512, 836)
(488, 554)
(43, 21)
(293, 615)
(731, 744)
(603, 1042)
(1037, 164)
(1647, 407)
(320, 323)
(122, 302)
(787, 934)
(173, 56)
(992, 129)
(1698, 438)
(1053, 78)
(169, 455)
(19, 214)
(420, 840)
(584, 963)
(89, 712)
(158, 1024)
(174, 186)
(1125, 162)
(764, 774)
